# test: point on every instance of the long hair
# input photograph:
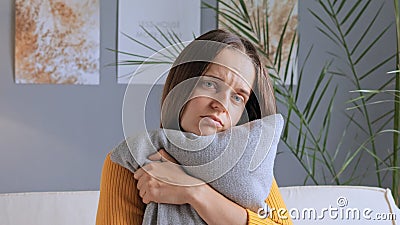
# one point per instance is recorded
(194, 60)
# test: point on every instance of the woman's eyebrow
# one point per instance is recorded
(244, 91)
(241, 89)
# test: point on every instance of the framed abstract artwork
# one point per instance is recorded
(57, 41)
(273, 24)
(142, 21)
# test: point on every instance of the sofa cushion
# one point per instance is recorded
(49, 208)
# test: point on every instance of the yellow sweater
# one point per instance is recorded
(120, 203)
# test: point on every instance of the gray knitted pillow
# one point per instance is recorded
(238, 163)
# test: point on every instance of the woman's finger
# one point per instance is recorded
(138, 173)
(167, 156)
(162, 156)
(140, 183)
(142, 192)
(155, 157)
(145, 199)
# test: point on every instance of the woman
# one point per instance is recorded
(232, 89)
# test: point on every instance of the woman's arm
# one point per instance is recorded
(119, 202)
(212, 207)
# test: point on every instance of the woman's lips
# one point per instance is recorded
(212, 120)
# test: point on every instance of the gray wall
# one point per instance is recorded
(55, 137)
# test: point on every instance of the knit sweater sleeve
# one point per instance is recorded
(278, 212)
(120, 203)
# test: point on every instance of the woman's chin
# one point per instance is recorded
(207, 130)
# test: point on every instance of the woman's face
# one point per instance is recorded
(219, 99)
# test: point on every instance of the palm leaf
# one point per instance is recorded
(355, 21)
(365, 33)
(351, 11)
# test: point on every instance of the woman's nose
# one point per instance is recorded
(220, 101)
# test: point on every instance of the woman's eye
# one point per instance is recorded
(209, 84)
(238, 98)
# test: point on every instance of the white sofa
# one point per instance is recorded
(356, 205)
(306, 204)
(49, 208)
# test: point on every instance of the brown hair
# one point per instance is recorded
(194, 60)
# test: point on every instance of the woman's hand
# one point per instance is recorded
(164, 181)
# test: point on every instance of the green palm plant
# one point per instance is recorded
(304, 134)
(338, 30)
(393, 158)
